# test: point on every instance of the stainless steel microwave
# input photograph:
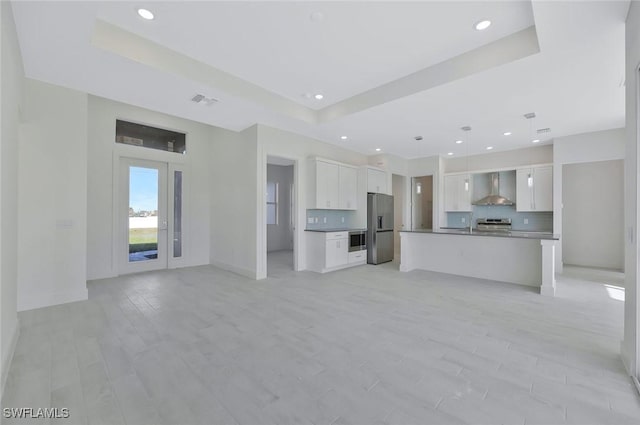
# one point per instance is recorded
(357, 240)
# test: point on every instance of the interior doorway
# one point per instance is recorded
(592, 210)
(422, 203)
(280, 215)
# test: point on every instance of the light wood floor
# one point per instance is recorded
(367, 345)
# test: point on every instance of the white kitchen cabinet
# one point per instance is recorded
(337, 252)
(324, 187)
(358, 257)
(332, 186)
(376, 181)
(457, 193)
(348, 188)
(329, 251)
(534, 189)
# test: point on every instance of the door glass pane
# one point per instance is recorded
(143, 214)
(177, 214)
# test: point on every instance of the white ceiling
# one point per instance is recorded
(259, 58)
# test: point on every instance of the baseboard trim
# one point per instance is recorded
(47, 300)
(8, 357)
(251, 274)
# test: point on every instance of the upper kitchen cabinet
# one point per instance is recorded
(534, 188)
(332, 186)
(457, 193)
(376, 181)
(348, 187)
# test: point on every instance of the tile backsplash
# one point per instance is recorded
(330, 219)
(536, 221)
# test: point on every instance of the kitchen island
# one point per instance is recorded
(525, 258)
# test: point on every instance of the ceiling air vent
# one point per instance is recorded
(543, 130)
(203, 100)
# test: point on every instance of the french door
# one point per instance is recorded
(150, 215)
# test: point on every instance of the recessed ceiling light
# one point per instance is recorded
(344, 137)
(318, 96)
(450, 153)
(145, 14)
(489, 148)
(507, 133)
(458, 141)
(483, 25)
(378, 149)
(535, 141)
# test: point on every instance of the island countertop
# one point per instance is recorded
(516, 257)
(336, 229)
(497, 234)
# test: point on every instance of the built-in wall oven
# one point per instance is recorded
(357, 240)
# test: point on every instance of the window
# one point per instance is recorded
(272, 203)
(145, 136)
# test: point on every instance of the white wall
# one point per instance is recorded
(497, 160)
(593, 214)
(275, 142)
(579, 148)
(52, 197)
(233, 190)
(11, 100)
(102, 160)
(629, 348)
(398, 190)
(280, 235)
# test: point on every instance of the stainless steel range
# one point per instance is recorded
(494, 224)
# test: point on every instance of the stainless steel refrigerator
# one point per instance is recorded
(379, 228)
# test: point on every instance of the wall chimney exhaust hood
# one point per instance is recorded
(494, 197)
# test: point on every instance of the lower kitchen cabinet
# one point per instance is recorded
(328, 251)
(336, 252)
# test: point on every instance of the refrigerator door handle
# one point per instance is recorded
(379, 222)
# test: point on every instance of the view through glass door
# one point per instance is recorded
(144, 215)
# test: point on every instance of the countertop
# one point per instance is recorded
(497, 234)
(335, 229)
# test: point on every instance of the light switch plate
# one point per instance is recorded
(310, 220)
(342, 219)
(526, 221)
(463, 220)
(324, 220)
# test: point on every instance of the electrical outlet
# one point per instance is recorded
(342, 219)
(310, 220)
(526, 221)
(324, 220)
(315, 219)
(464, 220)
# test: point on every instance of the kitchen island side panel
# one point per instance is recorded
(513, 260)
